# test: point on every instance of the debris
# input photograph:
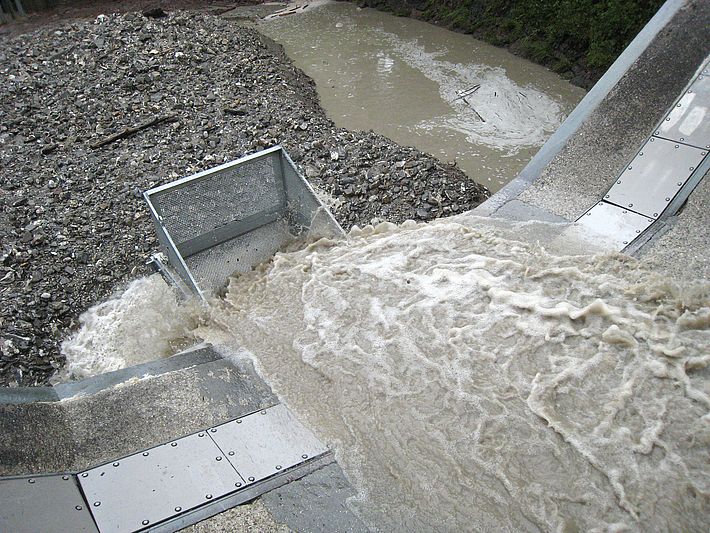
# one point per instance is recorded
(135, 129)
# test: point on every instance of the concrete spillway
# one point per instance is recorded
(72, 428)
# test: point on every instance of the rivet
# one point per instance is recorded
(31, 480)
(78, 507)
(607, 196)
(692, 168)
(618, 182)
(668, 118)
(200, 434)
(145, 522)
(208, 496)
(626, 242)
(652, 139)
(239, 421)
(677, 146)
(84, 474)
(278, 467)
(655, 214)
(65, 478)
(178, 509)
(304, 456)
(213, 430)
(631, 205)
(680, 184)
(678, 105)
(638, 231)
(640, 153)
(237, 484)
(263, 412)
(116, 464)
(96, 504)
(682, 138)
(251, 478)
(668, 199)
(218, 458)
(630, 167)
(173, 444)
(146, 454)
(231, 453)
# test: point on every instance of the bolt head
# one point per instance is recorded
(78, 508)
(173, 444)
(31, 480)
(251, 478)
(116, 464)
(218, 458)
(200, 434)
(278, 467)
(178, 509)
(213, 430)
(145, 522)
(146, 454)
(85, 474)
(208, 496)
(96, 504)
(668, 199)
(231, 453)
(237, 484)
(239, 421)
(305, 455)
(65, 478)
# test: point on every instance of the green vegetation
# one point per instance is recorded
(577, 38)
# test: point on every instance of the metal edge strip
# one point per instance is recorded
(584, 109)
(186, 180)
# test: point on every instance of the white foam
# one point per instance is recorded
(141, 324)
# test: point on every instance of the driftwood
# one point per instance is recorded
(134, 129)
(468, 92)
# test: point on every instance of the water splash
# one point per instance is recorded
(468, 380)
(143, 323)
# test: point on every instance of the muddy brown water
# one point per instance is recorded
(400, 77)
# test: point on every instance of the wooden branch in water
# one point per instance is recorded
(127, 132)
(467, 92)
(474, 110)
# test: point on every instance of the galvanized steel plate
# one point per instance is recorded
(148, 487)
(689, 121)
(655, 176)
(45, 504)
(266, 443)
(610, 226)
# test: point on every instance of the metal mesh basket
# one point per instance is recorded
(230, 218)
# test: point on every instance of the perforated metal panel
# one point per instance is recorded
(610, 226)
(653, 178)
(689, 120)
(266, 443)
(46, 504)
(235, 216)
(148, 487)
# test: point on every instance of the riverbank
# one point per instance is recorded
(578, 40)
(75, 226)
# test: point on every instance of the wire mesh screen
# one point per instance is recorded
(232, 193)
(235, 216)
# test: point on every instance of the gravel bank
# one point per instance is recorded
(74, 225)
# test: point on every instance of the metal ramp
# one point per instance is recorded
(658, 180)
(170, 486)
(230, 218)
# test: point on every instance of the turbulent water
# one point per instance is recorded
(143, 323)
(469, 380)
(400, 77)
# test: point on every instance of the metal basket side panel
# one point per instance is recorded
(168, 247)
(304, 207)
(209, 200)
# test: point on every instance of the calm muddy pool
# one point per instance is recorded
(402, 78)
